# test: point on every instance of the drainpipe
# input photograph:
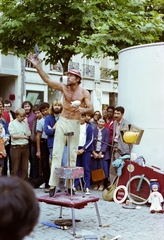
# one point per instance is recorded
(22, 79)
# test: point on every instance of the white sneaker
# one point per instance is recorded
(75, 190)
(87, 191)
(42, 186)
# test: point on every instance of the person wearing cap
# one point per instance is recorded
(76, 101)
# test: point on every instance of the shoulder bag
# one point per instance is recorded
(98, 174)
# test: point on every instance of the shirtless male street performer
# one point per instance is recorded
(69, 120)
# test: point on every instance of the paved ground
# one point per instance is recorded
(131, 224)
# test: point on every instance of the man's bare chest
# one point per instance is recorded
(71, 96)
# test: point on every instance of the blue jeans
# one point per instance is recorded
(6, 159)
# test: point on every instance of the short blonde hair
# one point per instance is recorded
(20, 112)
(55, 102)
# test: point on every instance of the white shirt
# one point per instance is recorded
(117, 132)
(82, 136)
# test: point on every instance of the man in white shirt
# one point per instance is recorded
(20, 133)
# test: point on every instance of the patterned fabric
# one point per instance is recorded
(2, 148)
(99, 137)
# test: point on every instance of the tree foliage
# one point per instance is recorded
(63, 28)
(124, 24)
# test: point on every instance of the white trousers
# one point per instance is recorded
(64, 125)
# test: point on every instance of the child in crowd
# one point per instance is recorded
(19, 208)
(156, 200)
(84, 152)
(2, 148)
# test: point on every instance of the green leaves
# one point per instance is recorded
(63, 28)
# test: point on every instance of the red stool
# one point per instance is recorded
(63, 200)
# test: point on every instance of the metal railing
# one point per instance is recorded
(73, 65)
(28, 64)
(105, 73)
(88, 71)
(56, 67)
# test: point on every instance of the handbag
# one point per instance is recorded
(98, 174)
(108, 192)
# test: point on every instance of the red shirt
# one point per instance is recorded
(6, 116)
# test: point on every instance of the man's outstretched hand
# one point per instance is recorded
(34, 60)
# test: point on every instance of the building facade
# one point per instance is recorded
(20, 81)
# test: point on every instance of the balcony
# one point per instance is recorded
(56, 68)
(73, 65)
(88, 71)
(28, 64)
(105, 73)
(9, 65)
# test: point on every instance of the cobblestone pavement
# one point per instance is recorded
(131, 224)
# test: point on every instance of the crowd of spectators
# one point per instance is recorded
(27, 141)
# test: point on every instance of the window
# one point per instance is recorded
(56, 68)
(35, 97)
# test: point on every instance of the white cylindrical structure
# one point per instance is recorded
(141, 93)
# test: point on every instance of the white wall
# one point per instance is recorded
(141, 92)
